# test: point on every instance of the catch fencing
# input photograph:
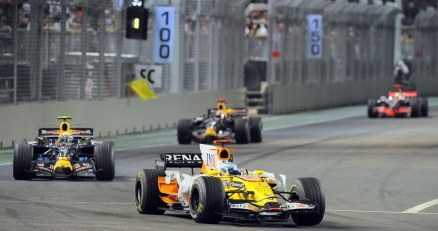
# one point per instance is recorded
(357, 42)
(424, 49)
(63, 50)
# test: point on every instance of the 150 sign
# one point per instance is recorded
(314, 36)
(164, 34)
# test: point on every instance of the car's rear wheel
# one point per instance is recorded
(242, 131)
(372, 103)
(415, 107)
(22, 162)
(256, 129)
(207, 200)
(309, 189)
(184, 131)
(147, 199)
(104, 160)
(424, 107)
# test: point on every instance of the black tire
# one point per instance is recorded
(256, 129)
(147, 199)
(309, 189)
(207, 200)
(424, 107)
(372, 103)
(22, 162)
(185, 131)
(415, 108)
(242, 131)
(104, 160)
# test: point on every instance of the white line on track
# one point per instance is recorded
(421, 207)
(371, 211)
(93, 226)
(67, 202)
(6, 151)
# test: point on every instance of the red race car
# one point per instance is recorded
(401, 101)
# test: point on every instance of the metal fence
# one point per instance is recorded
(62, 49)
(424, 51)
(358, 42)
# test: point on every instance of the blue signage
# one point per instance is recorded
(164, 34)
(314, 36)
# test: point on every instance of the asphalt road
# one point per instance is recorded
(377, 174)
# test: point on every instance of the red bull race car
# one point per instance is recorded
(220, 190)
(64, 152)
(221, 123)
(401, 101)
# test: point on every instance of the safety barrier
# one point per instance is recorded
(110, 117)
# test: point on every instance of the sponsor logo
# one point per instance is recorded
(237, 184)
(262, 186)
(183, 157)
(239, 206)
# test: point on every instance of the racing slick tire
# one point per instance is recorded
(147, 199)
(372, 103)
(23, 156)
(242, 131)
(309, 189)
(104, 160)
(424, 107)
(207, 200)
(184, 131)
(256, 129)
(415, 108)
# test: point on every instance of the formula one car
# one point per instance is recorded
(221, 123)
(64, 152)
(401, 101)
(221, 191)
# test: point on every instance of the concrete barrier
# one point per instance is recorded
(287, 99)
(108, 117)
(113, 117)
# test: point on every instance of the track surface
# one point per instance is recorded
(372, 172)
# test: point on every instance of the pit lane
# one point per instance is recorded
(373, 171)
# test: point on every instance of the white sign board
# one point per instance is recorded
(164, 34)
(152, 73)
(314, 36)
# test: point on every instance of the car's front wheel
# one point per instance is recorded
(207, 200)
(22, 162)
(309, 189)
(104, 160)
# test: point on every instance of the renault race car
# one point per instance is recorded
(401, 101)
(221, 122)
(221, 191)
(64, 152)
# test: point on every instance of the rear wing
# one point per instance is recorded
(404, 93)
(76, 132)
(179, 160)
(236, 111)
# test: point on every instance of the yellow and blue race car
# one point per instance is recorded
(221, 122)
(64, 152)
(222, 191)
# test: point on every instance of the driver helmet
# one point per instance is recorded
(230, 167)
(66, 138)
(220, 115)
